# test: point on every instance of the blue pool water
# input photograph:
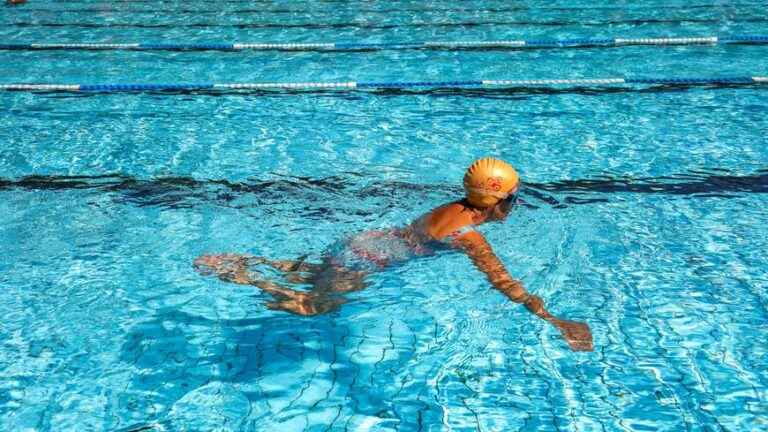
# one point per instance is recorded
(646, 218)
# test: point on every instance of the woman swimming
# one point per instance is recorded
(491, 187)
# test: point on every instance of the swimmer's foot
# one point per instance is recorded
(577, 334)
(227, 267)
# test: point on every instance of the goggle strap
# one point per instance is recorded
(495, 194)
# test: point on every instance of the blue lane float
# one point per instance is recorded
(374, 85)
(357, 46)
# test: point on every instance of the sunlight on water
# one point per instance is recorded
(643, 215)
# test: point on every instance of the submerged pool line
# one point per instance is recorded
(352, 46)
(373, 85)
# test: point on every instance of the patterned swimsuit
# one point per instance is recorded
(374, 250)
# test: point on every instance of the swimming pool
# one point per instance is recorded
(645, 218)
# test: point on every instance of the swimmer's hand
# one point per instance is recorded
(577, 334)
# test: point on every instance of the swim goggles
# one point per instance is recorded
(508, 197)
(512, 198)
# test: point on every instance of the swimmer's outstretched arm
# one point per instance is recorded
(481, 253)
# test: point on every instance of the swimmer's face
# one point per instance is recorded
(502, 209)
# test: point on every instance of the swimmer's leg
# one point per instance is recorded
(307, 304)
(298, 302)
(227, 267)
(290, 266)
(328, 283)
(296, 271)
(233, 268)
(335, 279)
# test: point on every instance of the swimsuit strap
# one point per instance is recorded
(454, 236)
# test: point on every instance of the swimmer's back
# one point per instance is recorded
(444, 222)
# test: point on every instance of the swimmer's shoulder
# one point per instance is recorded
(447, 220)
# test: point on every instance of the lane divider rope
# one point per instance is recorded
(351, 46)
(385, 84)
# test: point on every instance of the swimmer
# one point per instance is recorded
(491, 187)
(15, 2)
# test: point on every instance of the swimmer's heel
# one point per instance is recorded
(299, 261)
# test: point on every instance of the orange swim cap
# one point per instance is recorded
(488, 181)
